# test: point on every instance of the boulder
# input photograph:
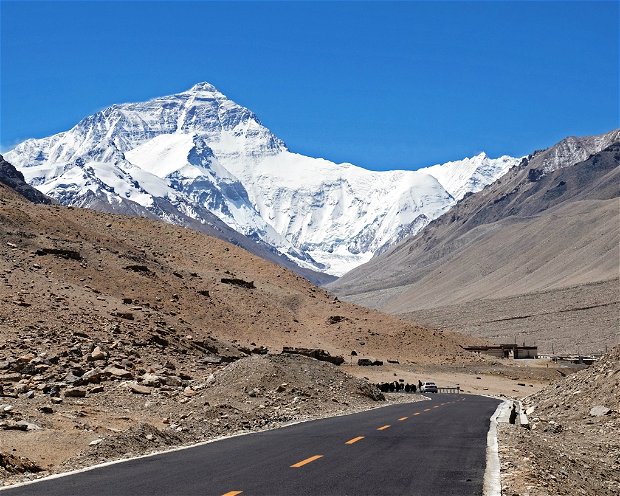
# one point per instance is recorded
(189, 392)
(93, 375)
(75, 392)
(117, 372)
(151, 380)
(599, 411)
(316, 353)
(172, 381)
(139, 389)
(98, 354)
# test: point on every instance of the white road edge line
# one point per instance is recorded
(492, 485)
(184, 447)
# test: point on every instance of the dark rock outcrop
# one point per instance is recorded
(315, 353)
(14, 179)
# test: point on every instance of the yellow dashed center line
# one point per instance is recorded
(306, 461)
(383, 427)
(403, 418)
(417, 413)
(354, 440)
(232, 493)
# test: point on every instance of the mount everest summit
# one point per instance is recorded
(197, 158)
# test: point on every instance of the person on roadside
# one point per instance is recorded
(513, 414)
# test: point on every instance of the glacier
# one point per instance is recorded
(201, 152)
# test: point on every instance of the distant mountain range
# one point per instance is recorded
(200, 160)
(548, 228)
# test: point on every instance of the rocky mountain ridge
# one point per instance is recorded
(14, 179)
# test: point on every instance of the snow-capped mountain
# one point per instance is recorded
(199, 151)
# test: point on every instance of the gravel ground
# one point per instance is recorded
(573, 446)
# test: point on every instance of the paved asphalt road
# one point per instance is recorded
(428, 448)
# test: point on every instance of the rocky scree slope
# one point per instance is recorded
(195, 155)
(573, 446)
(92, 269)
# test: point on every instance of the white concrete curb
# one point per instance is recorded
(492, 485)
(523, 420)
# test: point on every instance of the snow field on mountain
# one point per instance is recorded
(198, 147)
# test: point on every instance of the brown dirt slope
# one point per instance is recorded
(571, 449)
(573, 397)
(153, 278)
(117, 333)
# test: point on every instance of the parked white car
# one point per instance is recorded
(428, 387)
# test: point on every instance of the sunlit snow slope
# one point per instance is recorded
(200, 152)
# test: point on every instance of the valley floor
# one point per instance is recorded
(577, 319)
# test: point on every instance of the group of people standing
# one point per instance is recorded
(397, 386)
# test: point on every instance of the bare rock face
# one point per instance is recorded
(14, 179)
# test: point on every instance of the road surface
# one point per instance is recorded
(434, 447)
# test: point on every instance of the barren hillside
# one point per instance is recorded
(117, 336)
(67, 269)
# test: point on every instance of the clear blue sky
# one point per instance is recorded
(383, 85)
